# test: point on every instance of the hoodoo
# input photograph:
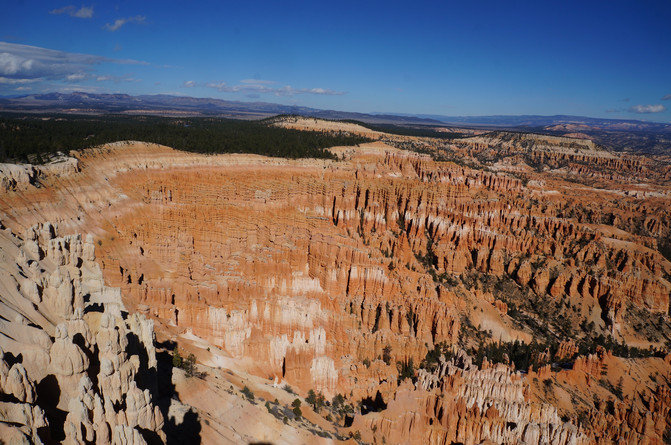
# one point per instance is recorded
(387, 294)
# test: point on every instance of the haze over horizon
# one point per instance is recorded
(587, 58)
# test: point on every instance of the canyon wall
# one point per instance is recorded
(329, 275)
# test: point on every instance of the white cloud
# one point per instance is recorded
(189, 84)
(118, 23)
(116, 79)
(644, 109)
(258, 81)
(76, 77)
(10, 81)
(667, 97)
(24, 63)
(85, 12)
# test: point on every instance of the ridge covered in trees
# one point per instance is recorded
(29, 138)
(415, 130)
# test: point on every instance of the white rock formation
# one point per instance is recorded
(57, 322)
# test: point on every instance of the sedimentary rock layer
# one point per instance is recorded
(330, 274)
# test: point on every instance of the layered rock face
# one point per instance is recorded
(459, 403)
(329, 275)
(75, 367)
(569, 156)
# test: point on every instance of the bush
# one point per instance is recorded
(316, 400)
(297, 412)
(189, 365)
(432, 357)
(177, 360)
(386, 354)
(406, 370)
(248, 393)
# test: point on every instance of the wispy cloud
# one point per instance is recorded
(85, 12)
(116, 79)
(645, 109)
(258, 81)
(257, 87)
(118, 23)
(75, 77)
(667, 97)
(10, 81)
(25, 64)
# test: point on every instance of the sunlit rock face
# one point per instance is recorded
(325, 274)
(64, 347)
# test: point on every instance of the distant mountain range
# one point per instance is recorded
(162, 104)
(531, 121)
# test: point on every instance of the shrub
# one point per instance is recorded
(249, 394)
(406, 370)
(316, 400)
(432, 357)
(177, 359)
(190, 365)
(386, 354)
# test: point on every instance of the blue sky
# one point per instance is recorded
(596, 58)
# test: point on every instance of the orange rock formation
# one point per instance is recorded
(325, 274)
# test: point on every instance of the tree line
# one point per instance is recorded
(34, 138)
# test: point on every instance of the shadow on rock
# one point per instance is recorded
(181, 423)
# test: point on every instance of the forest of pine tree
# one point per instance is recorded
(31, 138)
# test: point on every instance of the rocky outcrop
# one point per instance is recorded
(20, 176)
(459, 403)
(329, 275)
(67, 371)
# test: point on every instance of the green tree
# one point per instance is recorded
(190, 365)
(406, 369)
(386, 354)
(312, 399)
(321, 401)
(177, 359)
